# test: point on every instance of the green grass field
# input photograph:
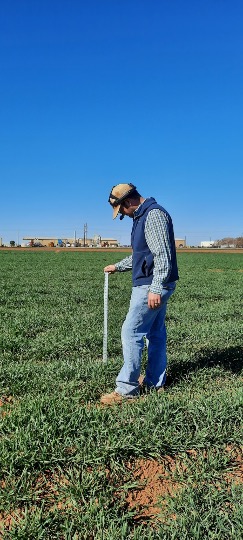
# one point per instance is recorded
(69, 467)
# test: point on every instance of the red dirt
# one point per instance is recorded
(47, 489)
(120, 249)
(236, 474)
(156, 481)
(6, 399)
(8, 521)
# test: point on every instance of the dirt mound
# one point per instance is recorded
(156, 481)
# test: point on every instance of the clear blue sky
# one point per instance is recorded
(99, 92)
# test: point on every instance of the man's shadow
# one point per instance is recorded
(230, 359)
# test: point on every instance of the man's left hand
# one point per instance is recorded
(154, 300)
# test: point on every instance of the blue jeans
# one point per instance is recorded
(143, 322)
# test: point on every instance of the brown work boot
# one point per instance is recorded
(160, 390)
(114, 397)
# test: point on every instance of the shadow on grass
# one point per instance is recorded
(229, 359)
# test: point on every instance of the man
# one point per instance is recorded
(154, 275)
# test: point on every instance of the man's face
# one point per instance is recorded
(126, 208)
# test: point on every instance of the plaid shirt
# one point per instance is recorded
(157, 237)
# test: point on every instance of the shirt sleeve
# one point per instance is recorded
(124, 265)
(158, 240)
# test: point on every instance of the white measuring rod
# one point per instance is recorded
(105, 317)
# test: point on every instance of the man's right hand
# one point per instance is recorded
(111, 269)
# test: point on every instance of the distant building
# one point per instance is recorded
(49, 241)
(109, 242)
(207, 243)
(97, 241)
(225, 246)
(180, 242)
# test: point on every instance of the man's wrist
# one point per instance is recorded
(156, 289)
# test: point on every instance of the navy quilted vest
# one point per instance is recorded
(143, 261)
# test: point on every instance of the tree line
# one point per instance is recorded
(229, 241)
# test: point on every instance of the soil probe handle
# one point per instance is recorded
(105, 317)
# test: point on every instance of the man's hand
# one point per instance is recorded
(154, 300)
(111, 269)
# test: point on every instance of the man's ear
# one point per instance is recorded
(127, 203)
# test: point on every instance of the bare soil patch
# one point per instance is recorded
(5, 400)
(120, 249)
(158, 481)
(9, 521)
(235, 475)
(48, 492)
(6, 404)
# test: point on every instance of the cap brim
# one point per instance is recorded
(116, 211)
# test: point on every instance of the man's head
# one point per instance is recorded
(124, 199)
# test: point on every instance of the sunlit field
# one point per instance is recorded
(166, 466)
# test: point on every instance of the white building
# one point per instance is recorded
(207, 243)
